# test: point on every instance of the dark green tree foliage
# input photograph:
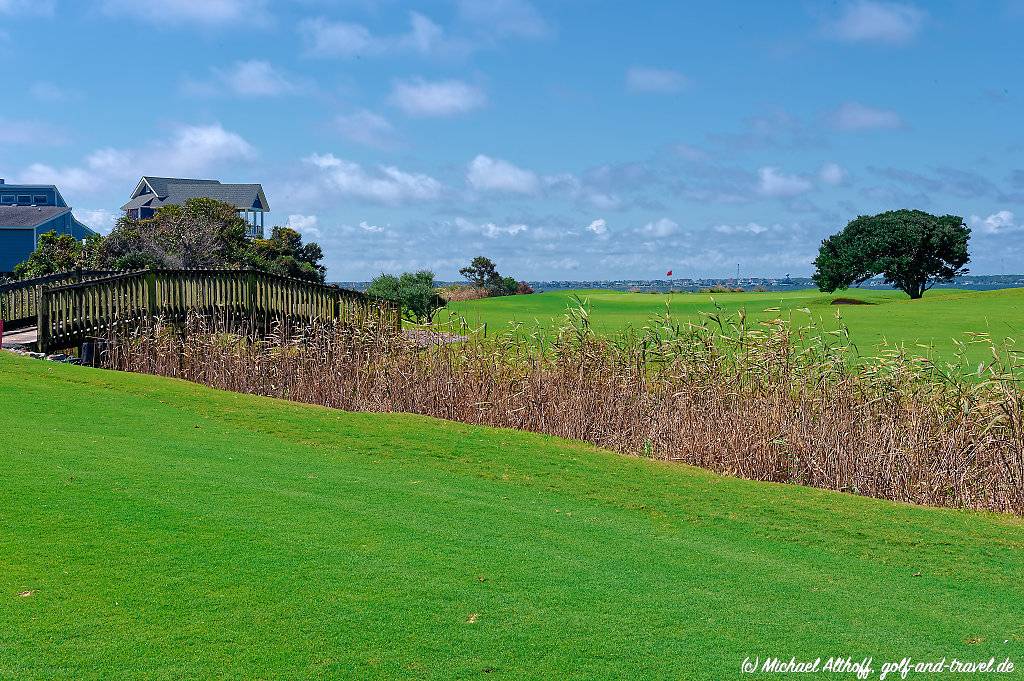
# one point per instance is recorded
(911, 249)
(56, 253)
(200, 233)
(509, 286)
(414, 291)
(483, 273)
(284, 253)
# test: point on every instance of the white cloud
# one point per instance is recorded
(206, 13)
(418, 97)
(366, 128)
(252, 78)
(99, 219)
(387, 185)
(659, 228)
(192, 150)
(572, 187)
(516, 18)
(854, 116)
(663, 81)
(997, 223)
(195, 148)
(336, 39)
(424, 35)
(490, 230)
(494, 174)
(832, 173)
(308, 225)
(347, 40)
(774, 182)
(749, 228)
(372, 229)
(883, 22)
(598, 227)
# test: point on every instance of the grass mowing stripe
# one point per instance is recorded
(936, 319)
(284, 540)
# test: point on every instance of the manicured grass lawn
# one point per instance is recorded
(943, 314)
(154, 528)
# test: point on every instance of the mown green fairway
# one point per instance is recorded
(154, 528)
(938, 318)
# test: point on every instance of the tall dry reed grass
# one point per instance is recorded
(772, 401)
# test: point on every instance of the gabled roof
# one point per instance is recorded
(174, 190)
(140, 201)
(29, 216)
(160, 184)
(244, 196)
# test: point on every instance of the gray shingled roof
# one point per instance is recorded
(160, 184)
(242, 196)
(28, 216)
(141, 201)
(178, 190)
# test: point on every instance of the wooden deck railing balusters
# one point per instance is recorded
(68, 312)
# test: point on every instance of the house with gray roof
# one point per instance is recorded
(28, 211)
(152, 192)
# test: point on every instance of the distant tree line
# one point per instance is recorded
(199, 233)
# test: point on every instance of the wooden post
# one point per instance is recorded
(250, 297)
(42, 321)
(151, 293)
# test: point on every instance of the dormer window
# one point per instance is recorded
(39, 200)
(24, 200)
(7, 200)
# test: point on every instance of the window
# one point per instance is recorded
(7, 199)
(24, 199)
(39, 200)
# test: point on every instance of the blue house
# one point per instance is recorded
(152, 192)
(28, 211)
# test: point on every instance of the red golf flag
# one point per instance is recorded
(669, 273)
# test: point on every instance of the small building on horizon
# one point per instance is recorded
(152, 192)
(28, 211)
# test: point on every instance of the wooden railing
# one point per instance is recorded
(19, 300)
(76, 313)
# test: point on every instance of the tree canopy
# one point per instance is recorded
(284, 253)
(911, 249)
(414, 291)
(199, 233)
(483, 273)
(56, 253)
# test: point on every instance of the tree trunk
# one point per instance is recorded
(915, 289)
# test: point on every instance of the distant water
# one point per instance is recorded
(974, 283)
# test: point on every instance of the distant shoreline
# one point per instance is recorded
(971, 282)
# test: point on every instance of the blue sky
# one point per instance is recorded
(569, 139)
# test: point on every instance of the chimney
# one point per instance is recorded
(1, 180)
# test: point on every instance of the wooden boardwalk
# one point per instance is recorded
(61, 311)
(20, 338)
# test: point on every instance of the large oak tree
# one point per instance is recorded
(911, 249)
